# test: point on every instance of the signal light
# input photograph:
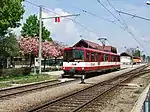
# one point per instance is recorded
(57, 19)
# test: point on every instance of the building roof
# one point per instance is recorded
(90, 44)
(125, 54)
(136, 57)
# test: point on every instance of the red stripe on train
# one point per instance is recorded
(90, 68)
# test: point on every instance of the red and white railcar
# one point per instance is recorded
(80, 60)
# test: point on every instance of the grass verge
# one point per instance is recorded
(24, 79)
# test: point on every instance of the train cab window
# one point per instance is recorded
(87, 56)
(112, 58)
(73, 55)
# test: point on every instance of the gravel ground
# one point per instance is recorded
(125, 99)
(122, 99)
(20, 103)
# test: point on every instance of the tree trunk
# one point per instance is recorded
(55, 60)
(31, 59)
(11, 62)
(44, 63)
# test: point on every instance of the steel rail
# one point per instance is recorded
(123, 77)
(109, 89)
(41, 85)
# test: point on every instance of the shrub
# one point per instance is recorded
(26, 70)
(15, 71)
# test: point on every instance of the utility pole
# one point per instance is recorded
(40, 34)
(40, 40)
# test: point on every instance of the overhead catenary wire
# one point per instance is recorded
(133, 15)
(32, 3)
(124, 24)
(76, 22)
(85, 11)
(95, 15)
(127, 28)
(109, 11)
(81, 25)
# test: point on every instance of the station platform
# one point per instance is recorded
(140, 105)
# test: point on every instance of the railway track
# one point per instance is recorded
(11, 92)
(78, 100)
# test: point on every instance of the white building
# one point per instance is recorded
(125, 58)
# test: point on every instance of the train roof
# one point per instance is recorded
(90, 49)
(93, 45)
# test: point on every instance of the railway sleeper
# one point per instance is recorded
(85, 96)
(61, 107)
(74, 101)
(67, 104)
(53, 110)
(81, 100)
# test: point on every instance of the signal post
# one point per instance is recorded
(57, 19)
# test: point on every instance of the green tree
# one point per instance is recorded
(31, 29)
(148, 58)
(11, 11)
(137, 53)
(144, 57)
(9, 47)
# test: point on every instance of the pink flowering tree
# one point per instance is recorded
(48, 51)
(60, 47)
(30, 46)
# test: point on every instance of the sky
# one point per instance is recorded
(69, 31)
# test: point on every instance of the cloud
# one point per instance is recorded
(17, 30)
(65, 31)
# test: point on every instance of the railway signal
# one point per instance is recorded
(57, 19)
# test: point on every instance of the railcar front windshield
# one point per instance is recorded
(74, 55)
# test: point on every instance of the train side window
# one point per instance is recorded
(106, 58)
(103, 57)
(92, 57)
(87, 56)
(112, 58)
(118, 58)
(96, 57)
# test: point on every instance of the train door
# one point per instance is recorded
(99, 58)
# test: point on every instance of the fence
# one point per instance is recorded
(146, 104)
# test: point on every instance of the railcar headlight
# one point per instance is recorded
(82, 68)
